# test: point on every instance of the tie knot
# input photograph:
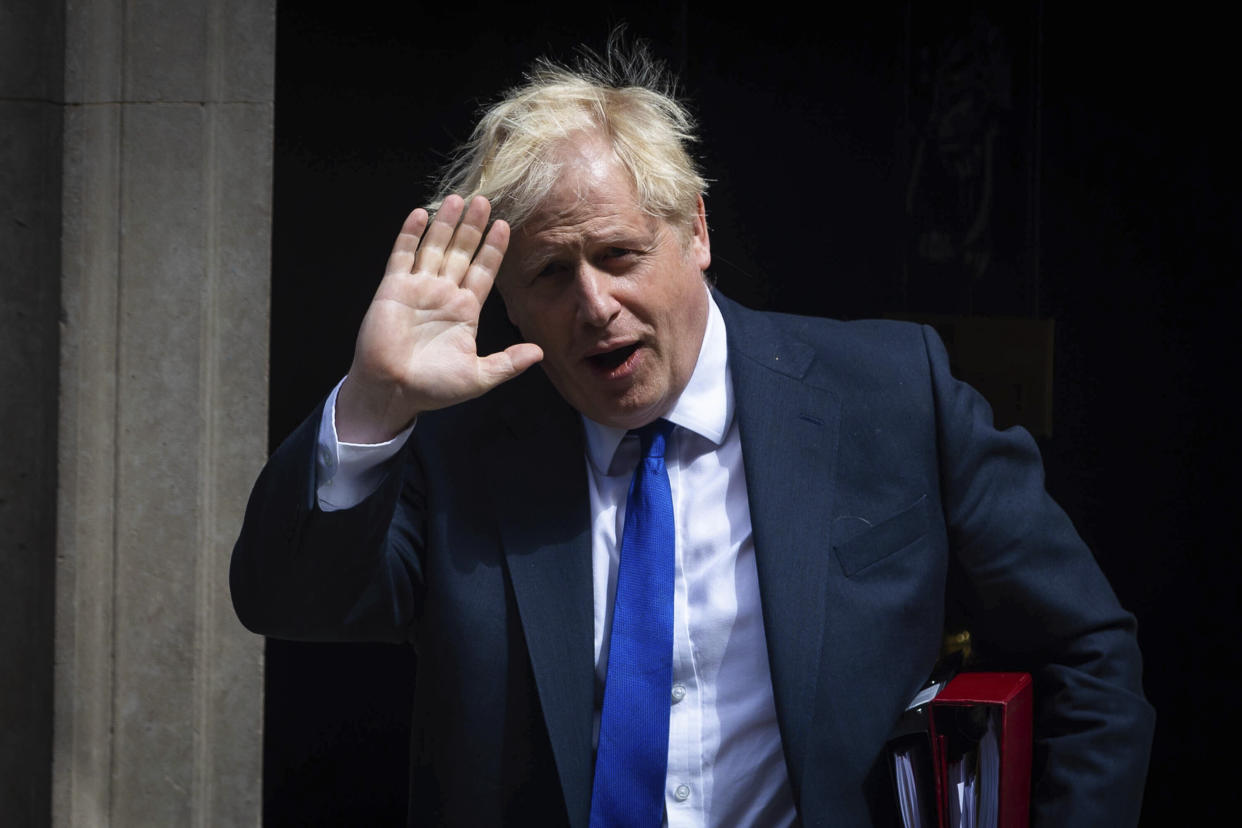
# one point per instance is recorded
(653, 437)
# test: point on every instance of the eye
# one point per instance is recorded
(552, 268)
(613, 258)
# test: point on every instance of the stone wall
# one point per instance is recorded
(140, 174)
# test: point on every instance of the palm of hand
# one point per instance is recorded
(416, 349)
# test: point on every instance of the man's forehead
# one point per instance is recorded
(590, 220)
(594, 195)
(589, 157)
(586, 177)
(533, 246)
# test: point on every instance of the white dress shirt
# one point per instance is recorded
(725, 761)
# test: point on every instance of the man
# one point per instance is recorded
(833, 494)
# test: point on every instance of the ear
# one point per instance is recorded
(700, 244)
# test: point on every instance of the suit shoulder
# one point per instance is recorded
(858, 353)
(869, 352)
(858, 334)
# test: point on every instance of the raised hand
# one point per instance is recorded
(416, 350)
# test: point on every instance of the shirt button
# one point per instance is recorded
(682, 793)
(679, 692)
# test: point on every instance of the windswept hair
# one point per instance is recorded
(626, 97)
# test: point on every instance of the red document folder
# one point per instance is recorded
(976, 721)
(1007, 698)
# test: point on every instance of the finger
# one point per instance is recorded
(466, 240)
(402, 257)
(438, 236)
(507, 364)
(486, 264)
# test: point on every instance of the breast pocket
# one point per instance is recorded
(882, 540)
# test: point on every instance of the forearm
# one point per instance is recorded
(1036, 600)
(301, 572)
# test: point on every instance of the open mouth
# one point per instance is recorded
(612, 360)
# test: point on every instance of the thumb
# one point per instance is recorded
(507, 364)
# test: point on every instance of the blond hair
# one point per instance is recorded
(513, 157)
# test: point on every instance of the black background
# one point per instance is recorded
(1124, 234)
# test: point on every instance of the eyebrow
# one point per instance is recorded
(623, 234)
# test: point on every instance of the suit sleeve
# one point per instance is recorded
(352, 575)
(1036, 600)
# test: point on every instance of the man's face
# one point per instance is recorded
(614, 297)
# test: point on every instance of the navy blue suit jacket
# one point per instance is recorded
(881, 498)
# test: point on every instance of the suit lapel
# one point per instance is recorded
(540, 489)
(787, 425)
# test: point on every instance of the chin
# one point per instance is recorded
(632, 408)
(628, 416)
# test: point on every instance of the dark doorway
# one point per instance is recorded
(1113, 212)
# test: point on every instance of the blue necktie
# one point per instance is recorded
(633, 732)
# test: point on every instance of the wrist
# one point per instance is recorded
(367, 414)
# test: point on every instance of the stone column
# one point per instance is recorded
(166, 199)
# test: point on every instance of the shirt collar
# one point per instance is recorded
(704, 407)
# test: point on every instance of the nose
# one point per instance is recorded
(597, 306)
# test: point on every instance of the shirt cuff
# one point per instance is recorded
(349, 473)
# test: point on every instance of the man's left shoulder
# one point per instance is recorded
(856, 352)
